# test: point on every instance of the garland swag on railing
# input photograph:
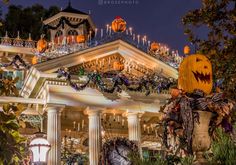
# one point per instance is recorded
(14, 61)
(154, 82)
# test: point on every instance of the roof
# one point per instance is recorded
(70, 9)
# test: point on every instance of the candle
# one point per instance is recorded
(143, 40)
(144, 127)
(148, 130)
(130, 30)
(110, 30)
(78, 126)
(133, 36)
(127, 32)
(123, 122)
(96, 30)
(114, 116)
(101, 33)
(118, 119)
(82, 124)
(74, 124)
(149, 43)
(138, 39)
(90, 35)
(107, 28)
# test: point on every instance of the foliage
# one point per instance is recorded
(27, 20)
(12, 144)
(223, 149)
(218, 19)
(8, 87)
(159, 160)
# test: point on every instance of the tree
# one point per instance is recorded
(27, 20)
(218, 18)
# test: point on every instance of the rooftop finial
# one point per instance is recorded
(69, 3)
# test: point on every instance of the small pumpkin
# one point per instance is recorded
(174, 92)
(195, 72)
(80, 38)
(41, 45)
(187, 50)
(118, 25)
(154, 46)
(34, 60)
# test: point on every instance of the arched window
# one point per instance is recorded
(72, 32)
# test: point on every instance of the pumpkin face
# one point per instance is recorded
(80, 38)
(118, 25)
(154, 46)
(41, 45)
(195, 72)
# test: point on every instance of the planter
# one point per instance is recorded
(201, 139)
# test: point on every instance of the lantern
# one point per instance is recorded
(186, 50)
(80, 38)
(39, 147)
(118, 25)
(195, 72)
(41, 45)
(154, 46)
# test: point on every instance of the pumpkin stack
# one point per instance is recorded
(195, 72)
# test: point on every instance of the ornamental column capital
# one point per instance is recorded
(93, 111)
(56, 107)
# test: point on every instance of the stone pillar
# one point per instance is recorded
(54, 133)
(95, 139)
(134, 127)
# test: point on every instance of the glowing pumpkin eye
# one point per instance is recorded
(198, 59)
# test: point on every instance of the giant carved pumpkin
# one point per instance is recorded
(41, 45)
(118, 25)
(195, 72)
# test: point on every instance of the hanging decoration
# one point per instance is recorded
(154, 82)
(195, 72)
(62, 23)
(116, 151)
(180, 114)
(118, 25)
(17, 62)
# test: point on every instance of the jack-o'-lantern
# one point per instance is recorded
(80, 38)
(187, 50)
(34, 60)
(154, 46)
(41, 45)
(118, 25)
(195, 72)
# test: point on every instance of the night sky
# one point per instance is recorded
(160, 20)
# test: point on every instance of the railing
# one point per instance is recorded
(17, 42)
(164, 54)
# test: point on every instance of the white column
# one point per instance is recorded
(134, 126)
(94, 136)
(54, 133)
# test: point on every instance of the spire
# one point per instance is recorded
(69, 3)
